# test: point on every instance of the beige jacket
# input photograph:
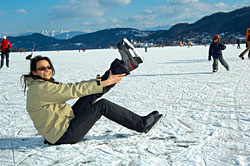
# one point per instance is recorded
(46, 104)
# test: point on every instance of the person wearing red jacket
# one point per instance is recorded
(5, 51)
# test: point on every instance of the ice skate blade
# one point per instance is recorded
(136, 53)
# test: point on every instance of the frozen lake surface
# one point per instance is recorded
(206, 116)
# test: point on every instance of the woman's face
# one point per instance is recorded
(43, 70)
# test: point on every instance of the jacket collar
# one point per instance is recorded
(31, 80)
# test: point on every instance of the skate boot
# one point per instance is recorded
(131, 62)
(241, 56)
(29, 57)
(117, 67)
(131, 47)
(138, 60)
(151, 119)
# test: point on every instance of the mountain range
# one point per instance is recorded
(63, 34)
(230, 26)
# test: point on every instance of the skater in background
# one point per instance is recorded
(180, 43)
(215, 51)
(58, 122)
(146, 47)
(5, 51)
(233, 43)
(190, 43)
(238, 43)
(247, 45)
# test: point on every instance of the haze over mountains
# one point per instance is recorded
(230, 26)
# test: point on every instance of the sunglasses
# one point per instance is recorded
(44, 68)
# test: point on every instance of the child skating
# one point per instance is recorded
(215, 51)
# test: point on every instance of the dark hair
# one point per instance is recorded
(33, 63)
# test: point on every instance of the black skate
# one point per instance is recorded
(131, 62)
(151, 119)
(241, 57)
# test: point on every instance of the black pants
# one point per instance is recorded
(6, 55)
(87, 112)
(85, 118)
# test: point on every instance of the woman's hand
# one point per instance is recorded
(112, 79)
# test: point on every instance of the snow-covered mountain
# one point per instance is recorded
(63, 34)
(165, 27)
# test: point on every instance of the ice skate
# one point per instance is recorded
(241, 57)
(151, 119)
(129, 61)
(130, 46)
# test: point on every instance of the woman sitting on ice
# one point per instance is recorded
(58, 122)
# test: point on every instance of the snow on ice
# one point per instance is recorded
(206, 116)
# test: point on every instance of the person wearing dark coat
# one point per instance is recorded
(238, 43)
(215, 52)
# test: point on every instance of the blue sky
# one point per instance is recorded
(21, 16)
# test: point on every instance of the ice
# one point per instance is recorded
(205, 115)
